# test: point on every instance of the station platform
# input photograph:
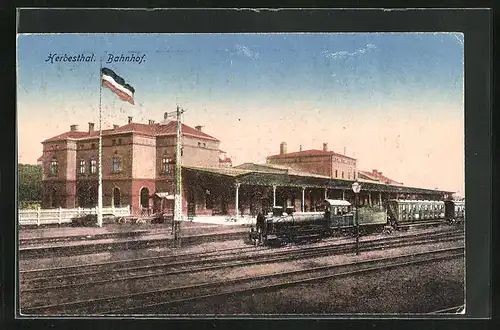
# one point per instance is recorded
(66, 241)
(195, 224)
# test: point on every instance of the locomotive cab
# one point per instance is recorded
(277, 211)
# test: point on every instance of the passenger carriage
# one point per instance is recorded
(408, 211)
(455, 211)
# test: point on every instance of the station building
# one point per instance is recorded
(138, 162)
(322, 162)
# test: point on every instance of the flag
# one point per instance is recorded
(117, 84)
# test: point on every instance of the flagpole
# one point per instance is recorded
(99, 197)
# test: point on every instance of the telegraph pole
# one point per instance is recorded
(178, 178)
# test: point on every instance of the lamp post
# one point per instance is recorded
(356, 188)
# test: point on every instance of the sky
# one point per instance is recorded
(393, 101)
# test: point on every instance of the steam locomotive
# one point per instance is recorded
(282, 226)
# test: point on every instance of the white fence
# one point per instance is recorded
(57, 216)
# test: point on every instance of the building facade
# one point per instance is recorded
(138, 160)
(322, 162)
(138, 168)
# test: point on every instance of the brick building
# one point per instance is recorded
(322, 162)
(138, 161)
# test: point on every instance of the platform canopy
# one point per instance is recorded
(265, 175)
(337, 202)
(165, 195)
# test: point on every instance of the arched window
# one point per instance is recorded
(166, 165)
(93, 166)
(116, 197)
(92, 196)
(53, 167)
(53, 198)
(145, 197)
(81, 168)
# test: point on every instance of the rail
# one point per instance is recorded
(58, 216)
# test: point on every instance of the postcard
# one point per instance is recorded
(241, 174)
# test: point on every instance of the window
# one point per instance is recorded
(113, 142)
(349, 175)
(93, 166)
(199, 144)
(166, 164)
(336, 173)
(81, 168)
(93, 145)
(342, 174)
(116, 164)
(53, 167)
(119, 141)
(204, 145)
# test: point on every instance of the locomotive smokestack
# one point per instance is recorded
(283, 148)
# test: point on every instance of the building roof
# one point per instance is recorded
(377, 176)
(272, 168)
(225, 171)
(258, 174)
(309, 153)
(155, 129)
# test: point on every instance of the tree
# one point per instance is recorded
(30, 182)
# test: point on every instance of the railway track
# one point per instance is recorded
(156, 301)
(36, 294)
(63, 278)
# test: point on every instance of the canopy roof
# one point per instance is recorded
(164, 195)
(337, 202)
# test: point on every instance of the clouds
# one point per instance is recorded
(345, 54)
(245, 51)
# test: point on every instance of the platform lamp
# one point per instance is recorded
(356, 188)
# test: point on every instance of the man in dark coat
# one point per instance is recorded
(260, 224)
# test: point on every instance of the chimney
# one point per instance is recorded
(282, 148)
(199, 127)
(165, 115)
(73, 128)
(300, 147)
(151, 122)
(325, 146)
(91, 127)
(129, 119)
(116, 126)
